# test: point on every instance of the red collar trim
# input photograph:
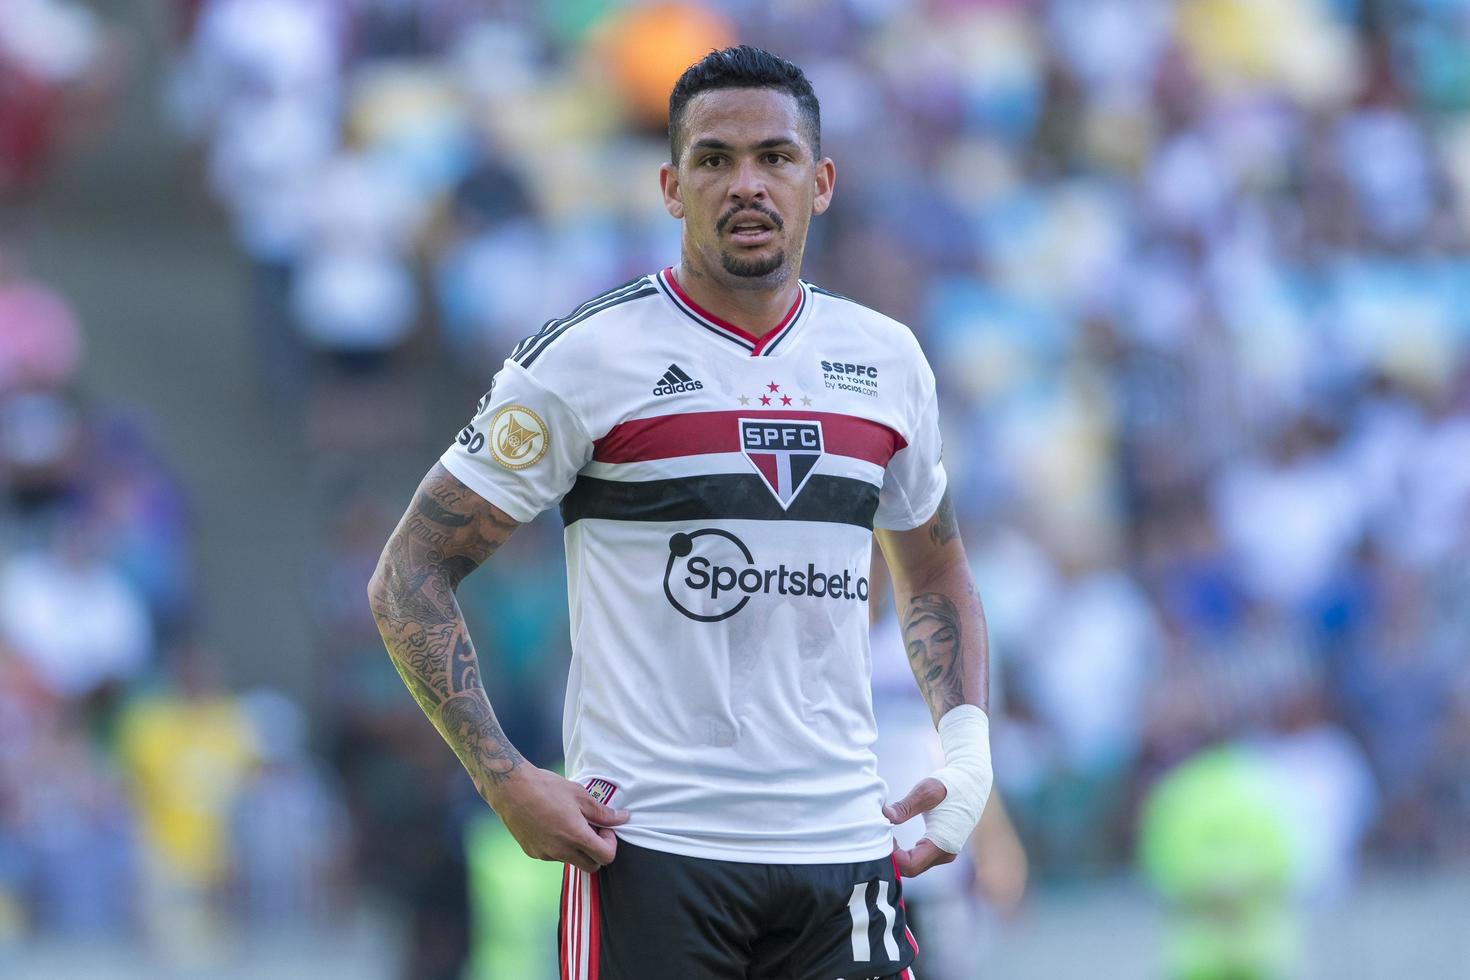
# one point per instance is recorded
(755, 344)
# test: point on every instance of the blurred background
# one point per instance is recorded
(1195, 280)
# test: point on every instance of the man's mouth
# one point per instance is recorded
(752, 230)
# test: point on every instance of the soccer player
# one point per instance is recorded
(723, 440)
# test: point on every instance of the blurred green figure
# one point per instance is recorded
(1215, 843)
(514, 904)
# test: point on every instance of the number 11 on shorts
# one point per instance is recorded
(862, 914)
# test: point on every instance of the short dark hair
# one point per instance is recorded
(744, 66)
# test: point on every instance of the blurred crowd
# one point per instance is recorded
(138, 796)
(1194, 277)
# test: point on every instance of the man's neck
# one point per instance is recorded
(756, 311)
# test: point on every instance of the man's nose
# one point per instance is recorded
(748, 183)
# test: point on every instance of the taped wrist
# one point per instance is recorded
(967, 775)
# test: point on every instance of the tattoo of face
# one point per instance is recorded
(942, 526)
(469, 725)
(932, 634)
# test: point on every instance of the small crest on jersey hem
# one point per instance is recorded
(601, 790)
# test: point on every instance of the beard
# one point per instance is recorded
(754, 268)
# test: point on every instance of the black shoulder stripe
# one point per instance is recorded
(553, 323)
(828, 292)
(526, 342)
(616, 299)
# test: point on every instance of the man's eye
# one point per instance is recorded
(713, 160)
(775, 158)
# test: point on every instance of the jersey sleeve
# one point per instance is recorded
(524, 447)
(915, 481)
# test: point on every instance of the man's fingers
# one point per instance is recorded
(592, 852)
(599, 847)
(906, 863)
(932, 853)
(924, 855)
(925, 796)
(600, 815)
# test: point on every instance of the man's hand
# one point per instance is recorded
(554, 819)
(925, 796)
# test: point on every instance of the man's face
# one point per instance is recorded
(746, 186)
(933, 641)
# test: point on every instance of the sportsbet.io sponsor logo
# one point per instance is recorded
(711, 575)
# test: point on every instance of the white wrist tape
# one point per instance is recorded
(964, 731)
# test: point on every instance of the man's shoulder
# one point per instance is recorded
(878, 326)
(565, 337)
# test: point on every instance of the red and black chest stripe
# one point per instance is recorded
(751, 489)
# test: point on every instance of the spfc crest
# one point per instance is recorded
(783, 451)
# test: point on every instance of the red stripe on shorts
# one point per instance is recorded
(566, 921)
(594, 950)
(898, 878)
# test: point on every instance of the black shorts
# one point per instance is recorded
(650, 915)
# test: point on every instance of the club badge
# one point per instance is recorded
(518, 437)
(783, 451)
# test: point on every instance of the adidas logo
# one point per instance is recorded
(675, 381)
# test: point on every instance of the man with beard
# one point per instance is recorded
(724, 440)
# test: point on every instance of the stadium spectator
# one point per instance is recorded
(186, 750)
(60, 66)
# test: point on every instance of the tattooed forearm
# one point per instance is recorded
(456, 567)
(423, 693)
(428, 649)
(437, 505)
(424, 530)
(406, 596)
(942, 526)
(470, 727)
(464, 669)
(934, 636)
(942, 618)
(447, 532)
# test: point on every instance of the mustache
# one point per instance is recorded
(730, 215)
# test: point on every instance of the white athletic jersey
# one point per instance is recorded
(719, 494)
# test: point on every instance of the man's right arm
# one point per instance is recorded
(446, 533)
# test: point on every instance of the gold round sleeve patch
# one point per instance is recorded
(518, 437)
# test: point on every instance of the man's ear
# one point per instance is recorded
(668, 182)
(826, 179)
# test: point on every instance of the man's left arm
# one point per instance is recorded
(944, 634)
